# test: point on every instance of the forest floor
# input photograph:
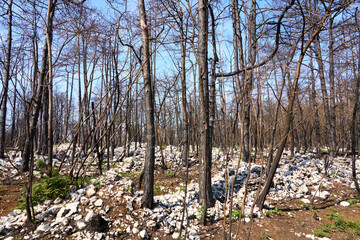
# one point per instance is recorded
(303, 204)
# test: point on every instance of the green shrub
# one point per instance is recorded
(320, 233)
(236, 214)
(49, 188)
(40, 164)
(306, 206)
(352, 201)
(200, 211)
(171, 174)
(158, 189)
(340, 225)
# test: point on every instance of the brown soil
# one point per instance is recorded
(9, 194)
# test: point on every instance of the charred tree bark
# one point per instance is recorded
(205, 133)
(261, 199)
(38, 97)
(148, 197)
(315, 107)
(6, 84)
(248, 84)
(328, 121)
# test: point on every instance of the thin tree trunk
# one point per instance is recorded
(315, 107)
(148, 197)
(261, 199)
(206, 198)
(332, 91)
(325, 97)
(50, 140)
(353, 126)
(6, 83)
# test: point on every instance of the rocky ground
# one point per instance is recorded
(301, 203)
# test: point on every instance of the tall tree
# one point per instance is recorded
(36, 104)
(148, 197)
(6, 83)
(248, 82)
(292, 96)
(50, 139)
(205, 145)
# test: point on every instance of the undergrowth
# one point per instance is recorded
(338, 225)
(48, 188)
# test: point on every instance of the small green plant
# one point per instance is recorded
(334, 209)
(236, 214)
(171, 174)
(158, 189)
(40, 164)
(339, 225)
(306, 206)
(182, 189)
(303, 224)
(48, 189)
(163, 147)
(335, 175)
(352, 201)
(320, 233)
(200, 211)
(121, 231)
(276, 211)
(128, 175)
(324, 151)
(267, 213)
(97, 184)
(81, 182)
(266, 235)
(128, 188)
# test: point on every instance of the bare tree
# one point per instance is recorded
(148, 197)
(6, 83)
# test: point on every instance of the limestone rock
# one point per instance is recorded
(143, 234)
(91, 190)
(42, 228)
(99, 203)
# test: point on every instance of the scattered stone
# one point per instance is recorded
(143, 234)
(84, 200)
(322, 194)
(91, 190)
(42, 228)
(175, 235)
(80, 225)
(345, 204)
(98, 203)
(135, 231)
(58, 201)
(303, 189)
(89, 216)
(151, 224)
(305, 200)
